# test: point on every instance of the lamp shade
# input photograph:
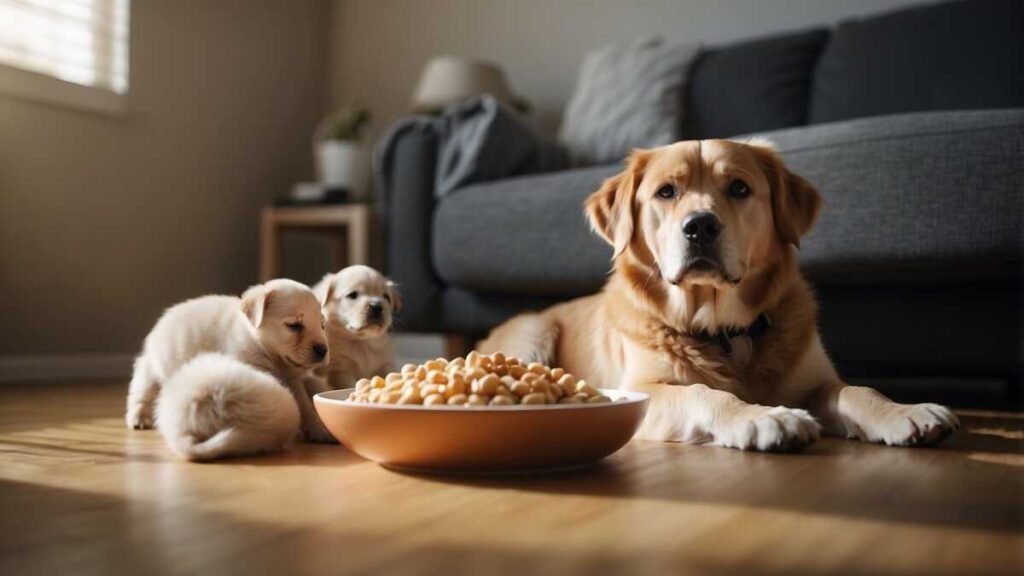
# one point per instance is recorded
(449, 79)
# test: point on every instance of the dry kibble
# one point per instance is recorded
(567, 381)
(535, 398)
(476, 380)
(411, 396)
(500, 400)
(456, 387)
(487, 385)
(583, 388)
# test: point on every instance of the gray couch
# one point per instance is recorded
(916, 143)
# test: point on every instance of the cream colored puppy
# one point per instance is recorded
(216, 406)
(358, 303)
(276, 328)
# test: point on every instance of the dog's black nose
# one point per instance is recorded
(319, 350)
(701, 228)
(375, 309)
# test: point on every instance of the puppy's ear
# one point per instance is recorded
(610, 209)
(795, 202)
(396, 297)
(255, 301)
(326, 294)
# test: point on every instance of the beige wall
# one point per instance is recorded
(106, 220)
(380, 46)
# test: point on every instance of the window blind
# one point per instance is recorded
(80, 41)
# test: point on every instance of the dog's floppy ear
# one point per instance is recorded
(328, 291)
(610, 209)
(396, 297)
(795, 202)
(254, 303)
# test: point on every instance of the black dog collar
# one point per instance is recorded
(761, 324)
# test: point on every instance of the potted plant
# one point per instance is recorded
(342, 159)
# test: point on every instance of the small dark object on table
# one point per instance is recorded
(331, 196)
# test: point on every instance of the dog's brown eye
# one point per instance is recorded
(295, 326)
(352, 295)
(739, 189)
(387, 297)
(667, 192)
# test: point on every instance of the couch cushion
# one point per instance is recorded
(752, 86)
(922, 197)
(926, 196)
(956, 55)
(524, 235)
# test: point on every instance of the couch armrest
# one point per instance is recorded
(407, 192)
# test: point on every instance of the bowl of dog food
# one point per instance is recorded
(481, 414)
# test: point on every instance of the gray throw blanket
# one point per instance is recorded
(479, 141)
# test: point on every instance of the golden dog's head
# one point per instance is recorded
(287, 321)
(704, 212)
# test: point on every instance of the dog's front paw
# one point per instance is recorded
(318, 433)
(769, 429)
(139, 418)
(909, 425)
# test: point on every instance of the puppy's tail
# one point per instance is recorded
(225, 444)
(218, 407)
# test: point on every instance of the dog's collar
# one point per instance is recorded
(724, 337)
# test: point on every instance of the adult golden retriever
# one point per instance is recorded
(707, 312)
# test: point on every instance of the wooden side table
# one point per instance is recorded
(349, 224)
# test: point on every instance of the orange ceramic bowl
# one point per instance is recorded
(483, 439)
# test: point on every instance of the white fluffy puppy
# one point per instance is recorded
(275, 327)
(216, 406)
(358, 304)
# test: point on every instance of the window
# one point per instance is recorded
(72, 52)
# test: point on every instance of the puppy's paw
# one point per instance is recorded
(139, 418)
(909, 425)
(318, 434)
(768, 429)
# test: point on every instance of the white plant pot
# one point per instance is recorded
(344, 164)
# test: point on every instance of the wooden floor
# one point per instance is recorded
(79, 494)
